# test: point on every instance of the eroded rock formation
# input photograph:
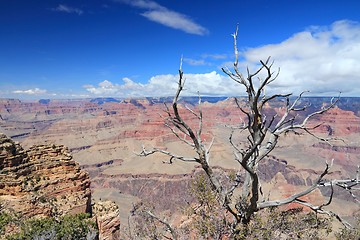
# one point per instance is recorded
(107, 219)
(44, 181)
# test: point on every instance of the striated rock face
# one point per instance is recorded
(107, 219)
(339, 122)
(11, 154)
(42, 181)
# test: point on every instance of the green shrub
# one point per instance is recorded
(288, 224)
(350, 233)
(37, 178)
(69, 227)
(5, 219)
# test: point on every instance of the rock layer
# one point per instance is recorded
(107, 219)
(43, 180)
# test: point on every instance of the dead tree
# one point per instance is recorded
(263, 135)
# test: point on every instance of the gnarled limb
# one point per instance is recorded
(296, 196)
(264, 132)
(167, 225)
(263, 135)
(177, 124)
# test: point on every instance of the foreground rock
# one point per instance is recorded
(44, 181)
(107, 219)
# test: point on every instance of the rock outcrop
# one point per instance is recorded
(107, 218)
(42, 181)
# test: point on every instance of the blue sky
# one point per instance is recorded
(132, 48)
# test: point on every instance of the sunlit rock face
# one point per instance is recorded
(107, 218)
(42, 181)
(45, 181)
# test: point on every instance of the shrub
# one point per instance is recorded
(285, 224)
(5, 219)
(350, 233)
(70, 227)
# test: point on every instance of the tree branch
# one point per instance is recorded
(167, 225)
(145, 153)
(292, 198)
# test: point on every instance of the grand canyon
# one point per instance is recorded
(105, 135)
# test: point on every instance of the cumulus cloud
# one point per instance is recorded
(67, 9)
(323, 60)
(107, 88)
(34, 91)
(104, 88)
(209, 84)
(160, 14)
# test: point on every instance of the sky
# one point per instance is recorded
(133, 48)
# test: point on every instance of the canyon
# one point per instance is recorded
(104, 136)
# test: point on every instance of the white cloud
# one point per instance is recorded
(206, 60)
(324, 60)
(67, 9)
(175, 20)
(107, 88)
(210, 84)
(142, 3)
(34, 91)
(215, 56)
(157, 13)
(104, 88)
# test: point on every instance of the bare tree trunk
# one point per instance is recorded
(249, 156)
